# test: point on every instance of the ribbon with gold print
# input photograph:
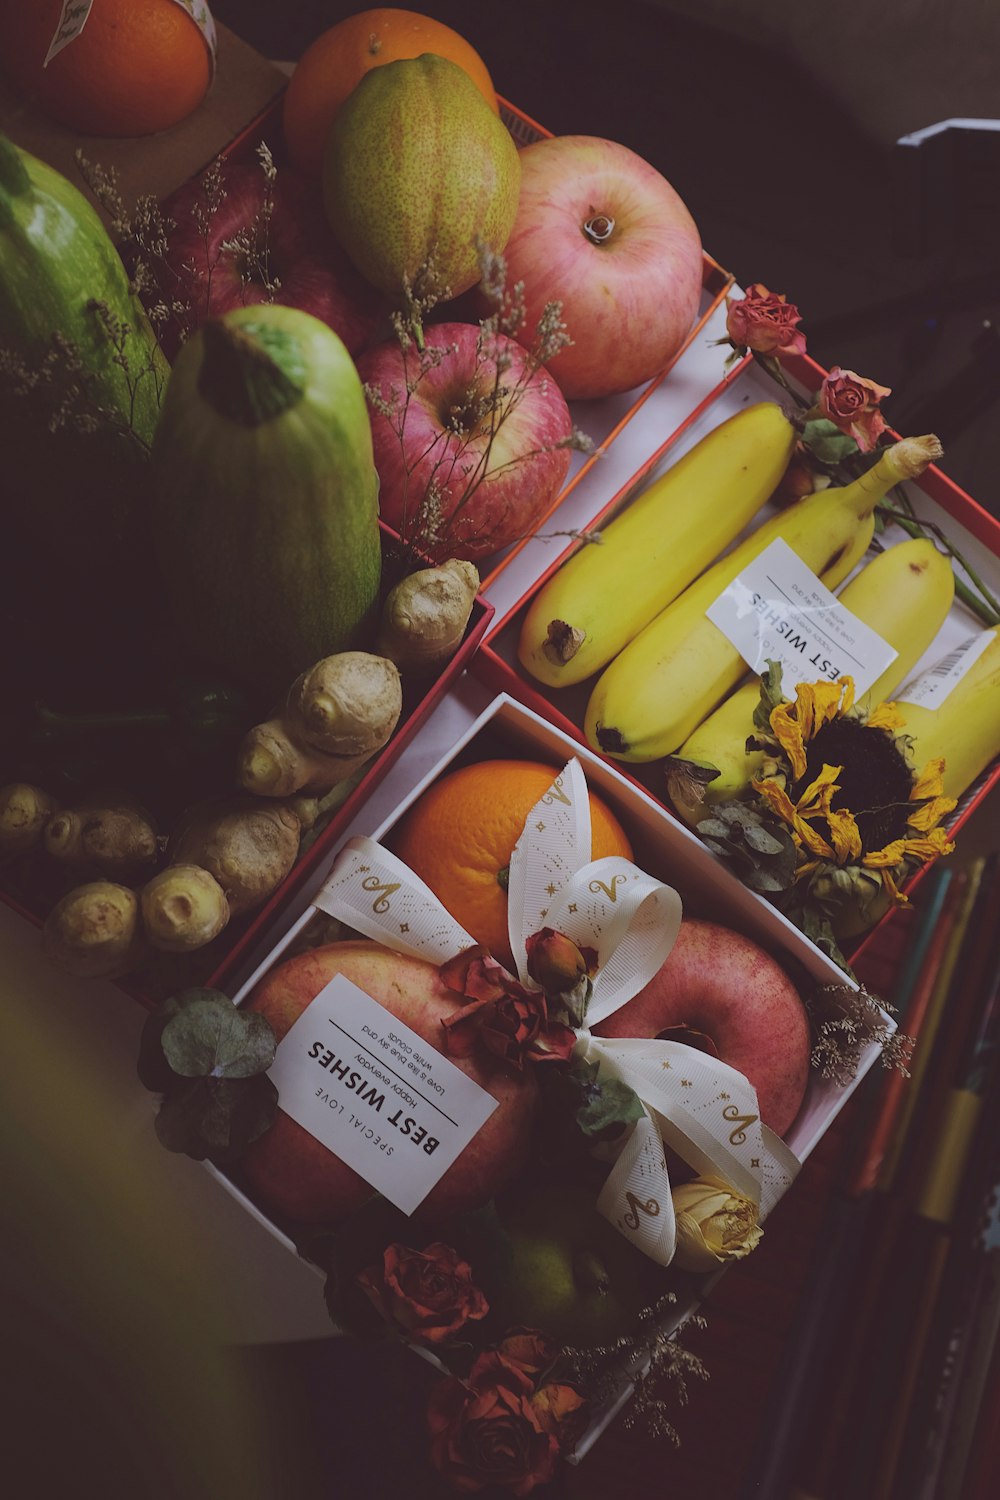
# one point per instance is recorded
(694, 1104)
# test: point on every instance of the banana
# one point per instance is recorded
(964, 730)
(904, 594)
(607, 591)
(670, 677)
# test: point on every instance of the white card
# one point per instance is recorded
(932, 686)
(376, 1094)
(777, 609)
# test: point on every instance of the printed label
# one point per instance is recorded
(778, 610)
(75, 14)
(375, 1093)
(932, 686)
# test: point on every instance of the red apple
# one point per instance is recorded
(603, 232)
(294, 1176)
(220, 256)
(720, 991)
(462, 474)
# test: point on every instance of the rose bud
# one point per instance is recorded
(554, 961)
(715, 1224)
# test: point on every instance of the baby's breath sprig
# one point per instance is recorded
(847, 1023)
(492, 396)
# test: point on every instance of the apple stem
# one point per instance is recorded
(599, 228)
(590, 1273)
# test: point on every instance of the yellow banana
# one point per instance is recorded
(607, 591)
(670, 677)
(964, 730)
(904, 594)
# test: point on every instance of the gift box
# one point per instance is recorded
(664, 851)
(944, 510)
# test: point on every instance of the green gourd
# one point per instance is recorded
(81, 381)
(81, 372)
(265, 496)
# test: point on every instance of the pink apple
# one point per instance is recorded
(720, 991)
(296, 1177)
(460, 475)
(601, 231)
(207, 267)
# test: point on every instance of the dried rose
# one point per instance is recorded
(765, 322)
(510, 1020)
(852, 404)
(428, 1293)
(555, 962)
(715, 1224)
(487, 1429)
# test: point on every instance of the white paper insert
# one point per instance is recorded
(376, 1094)
(934, 684)
(777, 609)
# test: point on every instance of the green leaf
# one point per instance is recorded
(211, 1038)
(153, 1069)
(607, 1108)
(770, 696)
(215, 1118)
(827, 442)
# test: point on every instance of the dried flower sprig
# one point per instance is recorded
(449, 474)
(847, 1023)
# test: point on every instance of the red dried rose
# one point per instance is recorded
(765, 322)
(491, 1429)
(511, 1021)
(428, 1293)
(852, 404)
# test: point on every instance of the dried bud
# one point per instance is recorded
(554, 961)
(715, 1224)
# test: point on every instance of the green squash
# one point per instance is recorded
(265, 496)
(81, 381)
(77, 432)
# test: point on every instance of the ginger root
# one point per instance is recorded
(182, 908)
(94, 931)
(108, 837)
(347, 704)
(24, 812)
(248, 846)
(337, 715)
(425, 615)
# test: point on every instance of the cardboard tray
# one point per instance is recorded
(937, 500)
(475, 729)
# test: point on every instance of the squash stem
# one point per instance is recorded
(250, 374)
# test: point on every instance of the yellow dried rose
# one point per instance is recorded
(715, 1224)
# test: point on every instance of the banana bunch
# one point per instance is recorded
(904, 595)
(963, 730)
(674, 672)
(607, 591)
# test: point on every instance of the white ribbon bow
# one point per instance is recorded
(699, 1106)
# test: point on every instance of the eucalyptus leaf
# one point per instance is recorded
(213, 1039)
(152, 1067)
(215, 1118)
(607, 1108)
(758, 838)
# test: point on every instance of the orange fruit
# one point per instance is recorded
(460, 833)
(339, 58)
(133, 69)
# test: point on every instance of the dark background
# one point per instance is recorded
(889, 255)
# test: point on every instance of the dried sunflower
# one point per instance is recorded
(861, 817)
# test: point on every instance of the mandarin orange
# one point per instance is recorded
(460, 833)
(339, 58)
(132, 70)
